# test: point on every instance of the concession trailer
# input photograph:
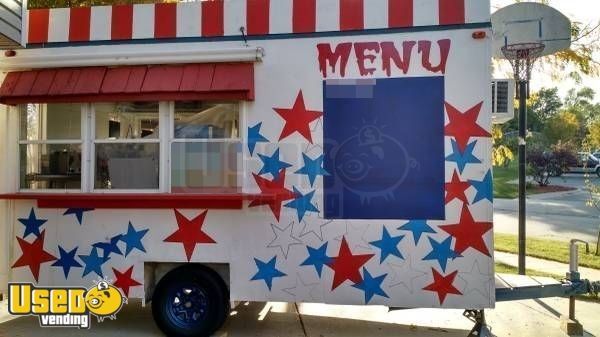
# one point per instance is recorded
(201, 153)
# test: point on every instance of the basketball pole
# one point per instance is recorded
(523, 84)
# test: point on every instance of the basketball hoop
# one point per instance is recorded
(522, 56)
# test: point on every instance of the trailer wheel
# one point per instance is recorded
(190, 301)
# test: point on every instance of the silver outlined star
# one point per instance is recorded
(356, 233)
(314, 226)
(476, 280)
(284, 238)
(405, 274)
(302, 291)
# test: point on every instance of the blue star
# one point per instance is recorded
(67, 260)
(109, 247)
(302, 203)
(388, 245)
(441, 252)
(484, 188)
(93, 263)
(312, 168)
(272, 164)
(417, 227)
(32, 224)
(371, 285)
(267, 271)
(254, 137)
(317, 258)
(78, 213)
(133, 239)
(463, 158)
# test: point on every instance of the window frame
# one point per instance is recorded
(92, 152)
(75, 141)
(88, 141)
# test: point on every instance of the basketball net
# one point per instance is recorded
(522, 56)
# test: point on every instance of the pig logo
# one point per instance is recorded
(372, 164)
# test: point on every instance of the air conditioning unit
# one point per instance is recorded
(503, 100)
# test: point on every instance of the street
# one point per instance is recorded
(558, 216)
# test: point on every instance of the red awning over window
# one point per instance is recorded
(206, 81)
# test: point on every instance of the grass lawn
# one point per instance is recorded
(546, 249)
(504, 189)
(502, 176)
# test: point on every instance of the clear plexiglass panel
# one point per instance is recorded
(50, 121)
(128, 120)
(127, 166)
(50, 166)
(205, 167)
(201, 120)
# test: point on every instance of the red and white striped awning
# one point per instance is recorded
(217, 18)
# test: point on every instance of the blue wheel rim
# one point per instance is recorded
(187, 305)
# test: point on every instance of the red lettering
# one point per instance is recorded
(335, 61)
(359, 49)
(342, 53)
(390, 53)
(425, 50)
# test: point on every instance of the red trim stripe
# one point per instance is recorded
(400, 13)
(304, 18)
(257, 16)
(38, 25)
(452, 12)
(351, 14)
(79, 24)
(122, 22)
(165, 20)
(212, 18)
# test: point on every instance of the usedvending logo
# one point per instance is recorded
(65, 306)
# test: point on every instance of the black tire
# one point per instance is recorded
(195, 290)
(598, 171)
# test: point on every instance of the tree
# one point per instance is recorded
(545, 103)
(563, 127)
(501, 153)
(593, 136)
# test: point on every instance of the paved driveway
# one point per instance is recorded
(523, 318)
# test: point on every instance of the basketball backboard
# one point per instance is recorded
(530, 22)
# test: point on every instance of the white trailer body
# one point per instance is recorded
(338, 153)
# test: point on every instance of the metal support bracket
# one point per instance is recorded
(481, 329)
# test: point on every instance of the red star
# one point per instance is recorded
(297, 119)
(347, 266)
(273, 193)
(190, 233)
(124, 280)
(33, 255)
(463, 126)
(468, 233)
(456, 188)
(442, 285)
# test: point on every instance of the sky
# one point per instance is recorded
(584, 11)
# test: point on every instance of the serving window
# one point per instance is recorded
(50, 145)
(205, 147)
(126, 146)
(178, 147)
